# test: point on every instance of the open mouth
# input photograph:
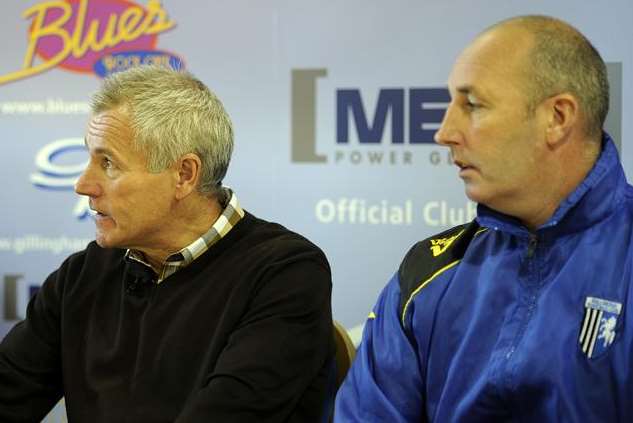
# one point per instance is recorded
(96, 214)
(461, 165)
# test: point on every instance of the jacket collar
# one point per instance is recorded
(594, 199)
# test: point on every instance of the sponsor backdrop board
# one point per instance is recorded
(334, 106)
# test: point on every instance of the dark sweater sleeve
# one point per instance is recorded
(30, 366)
(282, 343)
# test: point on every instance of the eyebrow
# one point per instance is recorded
(101, 150)
(466, 89)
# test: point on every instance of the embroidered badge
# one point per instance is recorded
(598, 326)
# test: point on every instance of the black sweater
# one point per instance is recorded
(243, 334)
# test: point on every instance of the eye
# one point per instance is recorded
(106, 163)
(472, 103)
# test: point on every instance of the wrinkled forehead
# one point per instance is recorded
(109, 125)
(110, 130)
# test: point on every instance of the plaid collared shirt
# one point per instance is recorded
(231, 214)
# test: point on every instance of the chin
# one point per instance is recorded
(102, 242)
(485, 200)
(474, 194)
(105, 241)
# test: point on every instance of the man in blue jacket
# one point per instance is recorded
(520, 315)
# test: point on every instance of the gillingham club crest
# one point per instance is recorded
(598, 327)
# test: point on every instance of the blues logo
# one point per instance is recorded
(598, 326)
(93, 36)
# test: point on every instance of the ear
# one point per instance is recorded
(563, 115)
(189, 168)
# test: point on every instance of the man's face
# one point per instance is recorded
(132, 204)
(494, 140)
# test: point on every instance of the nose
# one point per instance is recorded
(87, 183)
(449, 133)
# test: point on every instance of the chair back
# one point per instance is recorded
(345, 352)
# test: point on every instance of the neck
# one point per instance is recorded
(191, 219)
(569, 169)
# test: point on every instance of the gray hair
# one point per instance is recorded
(563, 60)
(171, 114)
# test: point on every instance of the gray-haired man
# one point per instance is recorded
(186, 308)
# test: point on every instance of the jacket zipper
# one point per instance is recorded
(532, 245)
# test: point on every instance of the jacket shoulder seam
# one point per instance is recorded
(429, 258)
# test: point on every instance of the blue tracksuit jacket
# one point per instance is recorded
(489, 322)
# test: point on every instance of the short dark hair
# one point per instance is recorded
(561, 59)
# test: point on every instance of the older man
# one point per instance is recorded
(186, 308)
(520, 315)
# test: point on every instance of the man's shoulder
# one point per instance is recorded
(271, 238)
(85, 268)
(93, 257)
(430, 257)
